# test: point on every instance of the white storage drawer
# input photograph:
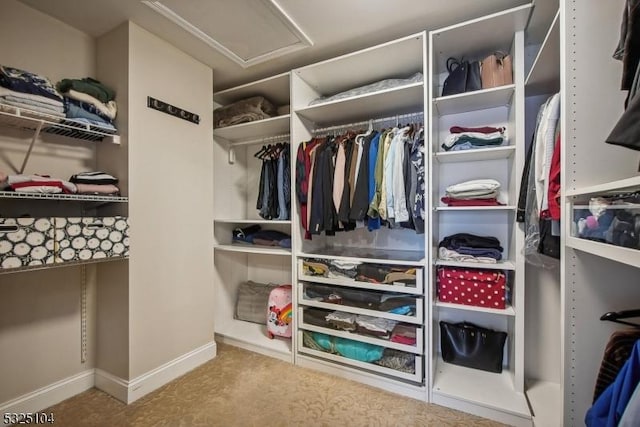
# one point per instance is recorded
(87, 238)
(415, 317)
(416, 288)
(388, 365)
(26, 242)
(306, 322)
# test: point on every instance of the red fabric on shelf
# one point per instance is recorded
(452, 201)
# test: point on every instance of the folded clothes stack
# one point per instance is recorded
(31, 92)
(255, 235)
(82, 183)
(467, 247)
(372, 300)
(35, 184)
(89, 102)
(466, 138)
(96, 183)
(478, 192)
(372, 273)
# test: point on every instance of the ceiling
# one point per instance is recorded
(335, 27)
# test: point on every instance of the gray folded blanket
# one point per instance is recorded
(246, 110)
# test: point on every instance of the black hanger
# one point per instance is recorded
(617, 316)
(260, 154)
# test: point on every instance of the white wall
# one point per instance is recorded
(40, 315)
(171, 204)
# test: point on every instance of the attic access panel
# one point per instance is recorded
(248, 32)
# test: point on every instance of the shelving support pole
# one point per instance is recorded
(33, 141)
(83, 314)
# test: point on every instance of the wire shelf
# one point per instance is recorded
(21, 118)
(69, 197)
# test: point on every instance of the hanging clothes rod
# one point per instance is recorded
(264, 140)
(397, 118)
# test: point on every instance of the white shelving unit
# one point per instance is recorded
(61, 196)
(249, 249)
(236, 186)
(544, 76)
(479, 155)
(595, 278)
(500, 265)
(398, 59)
(497, 396)
(37, 122)
(542, 376)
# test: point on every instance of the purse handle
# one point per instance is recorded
(451, 61)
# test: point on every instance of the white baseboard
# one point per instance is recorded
(123, 390)
(112, 385)
(50, 395)
(130, 391)
(156, 378)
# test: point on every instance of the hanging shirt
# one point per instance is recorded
(338, 174)
(608, 409)
(382, 207)
(399, 199)
(377, 177)
(417, 158)
(373, 223)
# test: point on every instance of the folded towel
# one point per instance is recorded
(97, 177)
(89, 86)
(24, 81)
(108, 109)
(106, 189)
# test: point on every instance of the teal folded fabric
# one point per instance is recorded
(355, 350)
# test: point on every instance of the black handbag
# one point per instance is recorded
(464, 76)
(469, 345)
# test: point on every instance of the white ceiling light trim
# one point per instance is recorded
(279, 12)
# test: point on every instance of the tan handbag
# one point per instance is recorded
(496, 70)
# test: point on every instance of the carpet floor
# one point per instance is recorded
(242, 388)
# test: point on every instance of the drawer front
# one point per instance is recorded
(26, 242)
(416, 318)
(414, 374)
(88, 238)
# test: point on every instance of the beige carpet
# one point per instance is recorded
(241, 388)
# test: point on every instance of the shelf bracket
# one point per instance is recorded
(33, 141)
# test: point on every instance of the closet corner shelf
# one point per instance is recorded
(488, 389)
(475, 208)
(252, 334)
(258, 129)
(500, 265)
(383, 256)
(61, 264)
(24, 119)
(545, 398)
(404, 99)
(544, 76)
(252, 249)
(274, 88)
(66, 197)
(251, 221)
(478, 36)
(415, 349)
(508, 311)
(481, 154)
(627, 256)
(623, 185)
(417, 290)
(473, 101)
